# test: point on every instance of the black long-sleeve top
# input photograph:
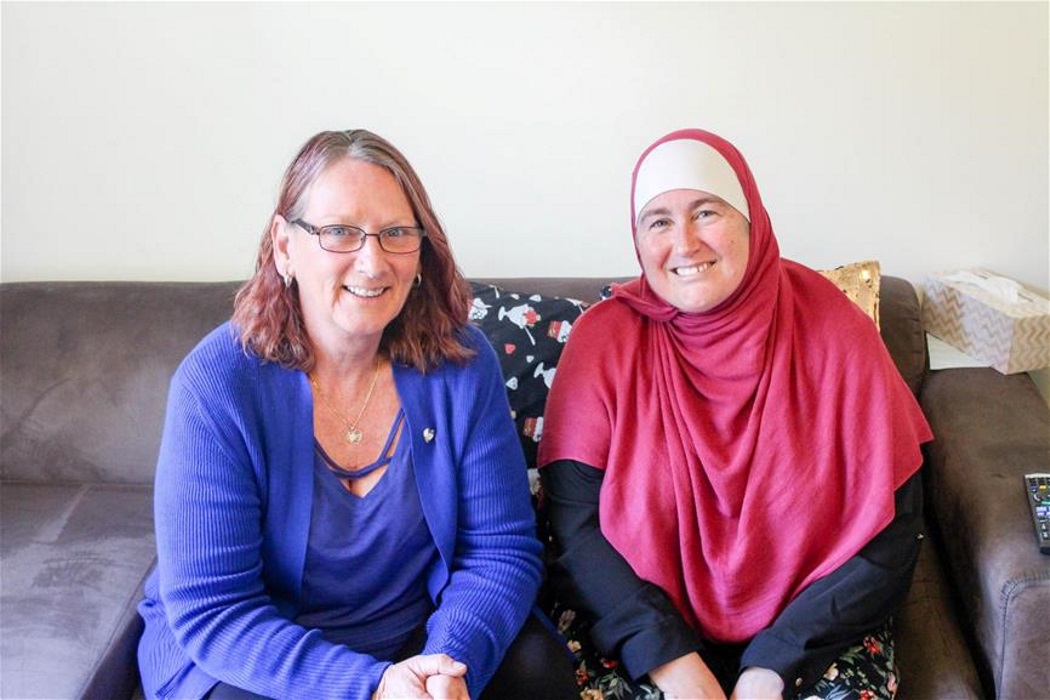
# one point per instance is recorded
(635, 621)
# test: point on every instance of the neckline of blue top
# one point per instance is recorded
(385, 455)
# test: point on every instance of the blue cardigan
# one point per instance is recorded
(233, 496)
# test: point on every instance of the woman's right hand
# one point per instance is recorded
(687, 677)
(445, 687)
(408, 678)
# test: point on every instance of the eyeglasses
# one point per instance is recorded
(346, 239)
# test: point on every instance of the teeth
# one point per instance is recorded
(362, 292)
(692, 270)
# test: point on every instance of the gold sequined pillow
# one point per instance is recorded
(860, 282)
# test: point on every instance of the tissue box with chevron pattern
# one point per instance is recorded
(1004, 325)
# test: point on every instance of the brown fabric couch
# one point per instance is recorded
(84, 369)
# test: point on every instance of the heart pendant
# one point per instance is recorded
(354, 436)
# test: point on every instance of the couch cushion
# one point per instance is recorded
(74, 556)
(930, 650)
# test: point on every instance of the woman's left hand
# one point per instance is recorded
(411, 678)
(758, 684)
(447, 688)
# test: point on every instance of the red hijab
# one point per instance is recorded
(748, 450)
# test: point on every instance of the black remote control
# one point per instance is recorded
(1038, 492)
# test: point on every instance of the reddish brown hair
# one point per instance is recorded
(427, 331)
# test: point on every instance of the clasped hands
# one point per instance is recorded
(429, 677)
(689, 678)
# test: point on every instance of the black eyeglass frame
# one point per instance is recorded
(318, 230)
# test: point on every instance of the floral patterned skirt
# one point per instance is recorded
(866, 671)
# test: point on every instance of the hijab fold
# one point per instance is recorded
(748, 450)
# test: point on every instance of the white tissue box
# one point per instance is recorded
(985, 322)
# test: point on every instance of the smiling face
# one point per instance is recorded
(348, 299)
(693, 248)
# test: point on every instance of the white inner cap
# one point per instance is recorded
(686, 164)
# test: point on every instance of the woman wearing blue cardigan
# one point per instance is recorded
(341, 502)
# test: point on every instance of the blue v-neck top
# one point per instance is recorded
(368, 557)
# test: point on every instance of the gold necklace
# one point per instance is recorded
(353, 435)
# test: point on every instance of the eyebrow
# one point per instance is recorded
(664, 211)
(340, 222)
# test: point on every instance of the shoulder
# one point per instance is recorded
(602, 332)
(474, 338)
(603, 317)
(834, 330)
(481, 367)
(218, 353)
(836, 313)
(483, 360)
(219, 367)
(609, 310)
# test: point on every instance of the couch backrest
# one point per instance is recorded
(84, 372)
(901, 324)
(585, 289)
(85, 366)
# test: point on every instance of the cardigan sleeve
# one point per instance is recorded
(633, 619)
(209, 510)
(496, 570)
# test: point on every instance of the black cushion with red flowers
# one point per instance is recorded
(528, 332)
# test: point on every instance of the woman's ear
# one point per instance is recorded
(279, 237)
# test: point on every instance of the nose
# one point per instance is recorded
(687, 237)
(370, 258)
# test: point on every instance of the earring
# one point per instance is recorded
(419, 279)
(287, 277)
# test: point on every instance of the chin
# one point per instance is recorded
(691, 305)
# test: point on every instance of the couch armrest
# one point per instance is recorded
(116, 675)
(990, 429)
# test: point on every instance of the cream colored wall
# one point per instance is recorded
(145, 140)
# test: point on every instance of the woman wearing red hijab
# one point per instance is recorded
(730, 455)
